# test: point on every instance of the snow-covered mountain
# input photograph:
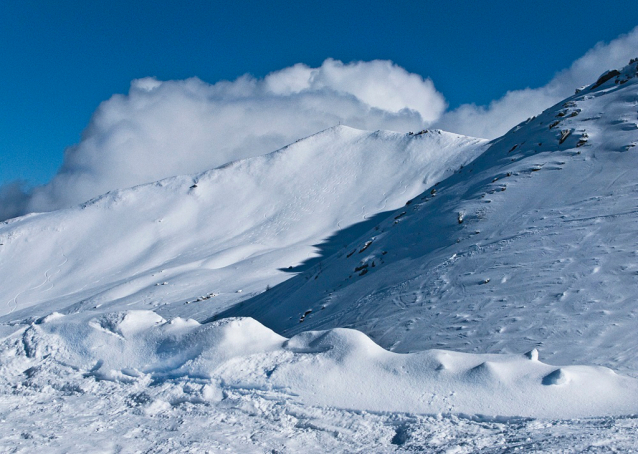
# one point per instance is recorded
(456, 283)
(235, 228)
(533, 245)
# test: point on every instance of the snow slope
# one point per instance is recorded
(232, 229)
(340, 367)
(533, 245)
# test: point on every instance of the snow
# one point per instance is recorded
(346, 364)
(231, 231)
(545, 255)
(238, 372)
(353, 292)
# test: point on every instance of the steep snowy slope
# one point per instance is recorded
(535, 244)
(202, 239)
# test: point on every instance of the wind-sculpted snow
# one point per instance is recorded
(339, 368)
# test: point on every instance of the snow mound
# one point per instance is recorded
(339, 368)
(133, 343)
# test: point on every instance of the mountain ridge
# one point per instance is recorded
(379, 292)
(272, 208)
(409, 289)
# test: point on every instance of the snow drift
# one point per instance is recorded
(339, 367)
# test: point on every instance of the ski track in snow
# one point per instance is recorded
(47, 280)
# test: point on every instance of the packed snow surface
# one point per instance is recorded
(354, 292)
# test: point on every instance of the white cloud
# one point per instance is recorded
(165, 128)
(496, 119)
(379, 84)
(160, 129)
(13, 200)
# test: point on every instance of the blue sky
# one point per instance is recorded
(61, 59)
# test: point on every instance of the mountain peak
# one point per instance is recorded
(619, 77)
(253, 219)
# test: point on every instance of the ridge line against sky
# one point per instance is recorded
(187, 126)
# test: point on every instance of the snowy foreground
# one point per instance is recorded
(235, 385)
(354, 292)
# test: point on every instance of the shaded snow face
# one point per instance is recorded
(532, 245)
(340, 367)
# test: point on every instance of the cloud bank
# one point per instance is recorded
(165, 128)
(501, 115)
(160, 129)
